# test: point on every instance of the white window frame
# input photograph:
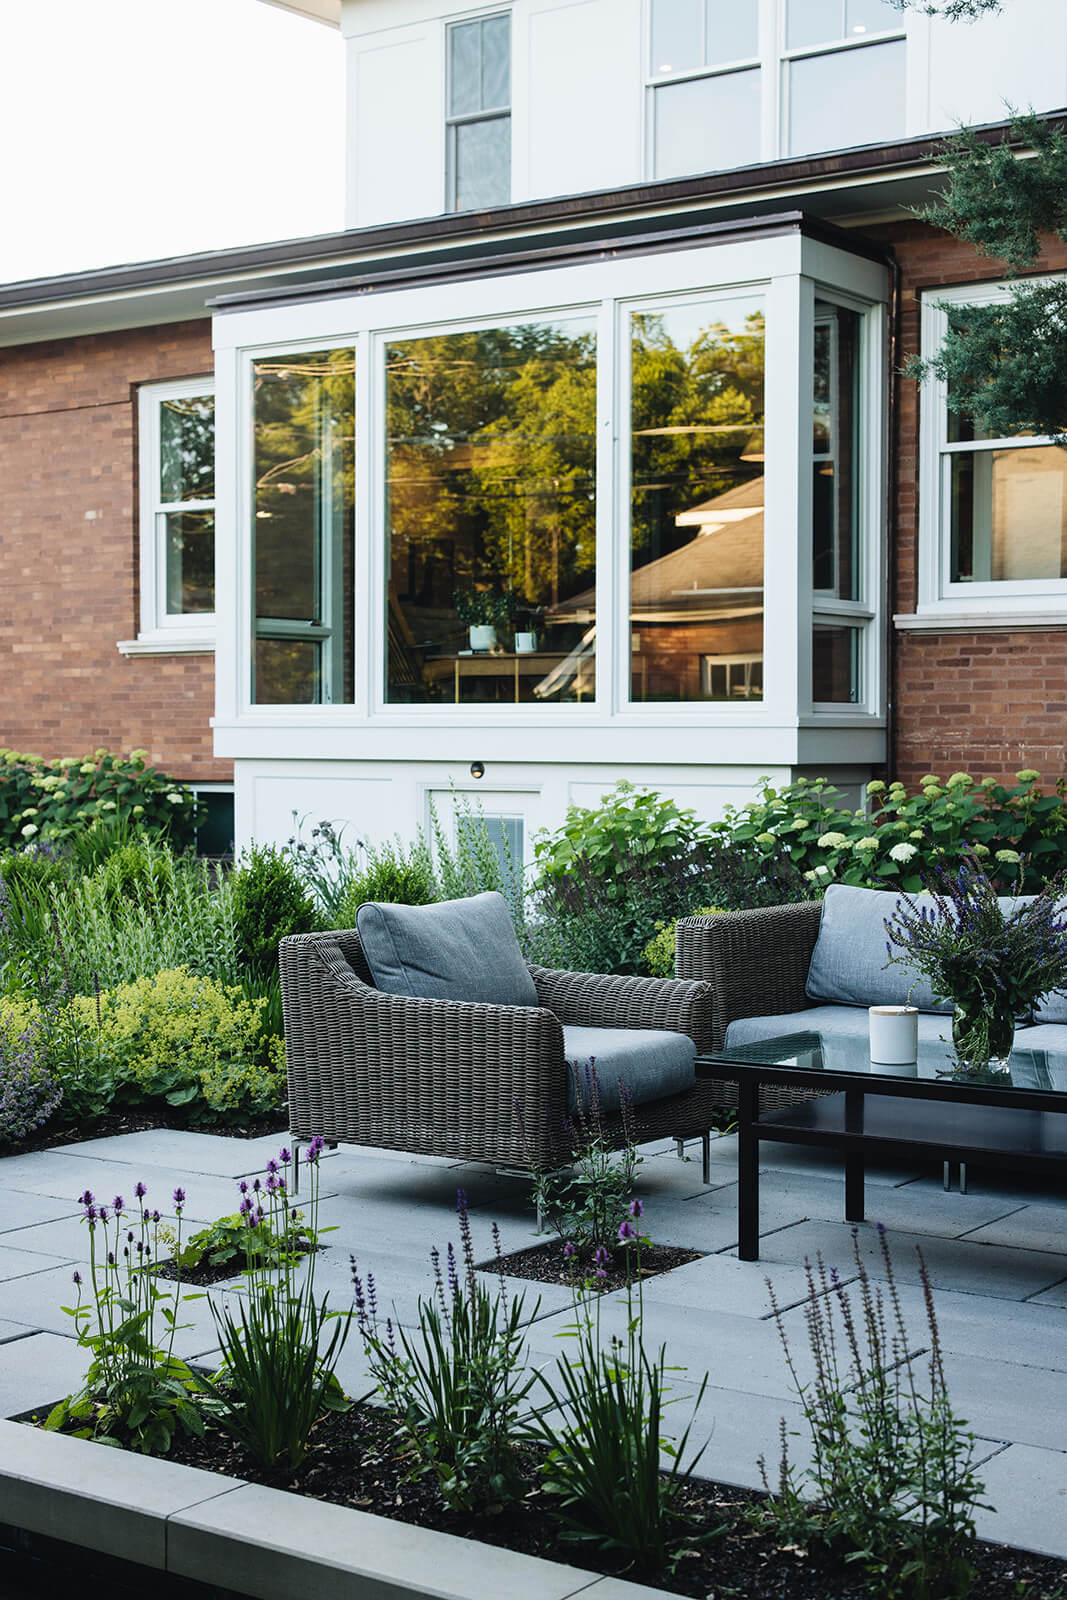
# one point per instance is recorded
(491, 114)
(773, 60)
(1019, 602)
(162, 632)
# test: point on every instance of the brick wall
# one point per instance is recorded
(69, 556)
(986, 703)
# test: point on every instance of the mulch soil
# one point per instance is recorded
(140, 1121)
(354, 1461)
(546, 1263)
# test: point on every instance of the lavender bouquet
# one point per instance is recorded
(994, 965)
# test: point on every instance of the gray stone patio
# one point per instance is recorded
(997, 1256)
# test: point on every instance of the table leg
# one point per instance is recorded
(854, 1157)
(747, 1171)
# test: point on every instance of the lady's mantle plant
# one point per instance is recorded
(993, 964)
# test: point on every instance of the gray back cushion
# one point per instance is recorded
(455, 950)
(848, 965)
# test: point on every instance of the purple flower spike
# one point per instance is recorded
(118, 1204)
(256, 1186)
(155, 1216)
(569, 1252)
(140, 1191)
(272, 1167)
(90, 1216)
(285, 1155)
(316, 1147)
(600, 1256)
(102, 1214)
(243, 1186)
(86, 1199)
(626, 1232)
(179, 1199)
(636, 1208)
(78, 1279)
(600, 1275)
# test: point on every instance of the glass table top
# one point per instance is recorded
(1033, 1070)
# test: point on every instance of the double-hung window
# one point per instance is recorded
(176, 461)
(993, 511)
(479, 113)
(705, 77)
(843, 67)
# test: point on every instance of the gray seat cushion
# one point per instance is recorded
(650, 1062)
(454, 950)
(1051, 1040)
(837, 1022)
(848, 964)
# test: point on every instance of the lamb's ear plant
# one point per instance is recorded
(605, 1440)
(136, 1388)
(456, 1387)
(892, 1485)
(277, 1377)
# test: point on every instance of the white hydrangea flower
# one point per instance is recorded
(903, 852)
(175, 799)
(765, 838)
(866, 844)
(876, 786)
(917, 833)
(87, 767)
(1011, 857)
(959, 778)
(980, 850)
(831, 841)
(798, 825)
(29, 830)
(1027, 775)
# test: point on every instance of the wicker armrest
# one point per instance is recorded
(755, 961)
(588, 1000)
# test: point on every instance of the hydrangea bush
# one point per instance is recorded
(46, 800)
(1019, 833)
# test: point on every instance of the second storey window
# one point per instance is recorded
(706, 85)
(479, 113)
(842, 74)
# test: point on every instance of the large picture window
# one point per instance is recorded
(697, 462)
(303, 423)
(177, 484)
(491, 515)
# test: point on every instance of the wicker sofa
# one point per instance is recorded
(475, 1082)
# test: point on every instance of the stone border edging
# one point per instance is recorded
(257, 1541)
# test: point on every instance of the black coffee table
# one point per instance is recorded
(1016, 1118)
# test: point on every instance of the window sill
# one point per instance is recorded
(979, 621)
(168, 644)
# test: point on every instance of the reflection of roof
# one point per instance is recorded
(718, 572)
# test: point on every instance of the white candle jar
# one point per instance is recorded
(894, 1035)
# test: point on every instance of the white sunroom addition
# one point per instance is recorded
(652, 468)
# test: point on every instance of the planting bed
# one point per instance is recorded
(546, 1263)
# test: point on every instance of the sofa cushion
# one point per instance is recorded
(1050, 1039)
(454, 950)
(650, 1062)
(848, 964)
(834, 1022)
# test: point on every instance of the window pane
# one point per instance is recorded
(696, 587)
(482, 155)
(835, 664)
(677, 35)
(733, 30)
(871, 16)
(190, 561)
(1008, 514)
(465, 68)
(496, 63)
(303, 529)
(813, 22)
(837, 456)
(708, 124)
(492, 515)
(187, 448)
(851, 97)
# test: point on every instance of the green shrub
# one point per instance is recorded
(58, 799)
(173, 1037)
(629, 824)
(397, 873)
(1019, 833)
(269, 904)
(474, 863)
(659, 952)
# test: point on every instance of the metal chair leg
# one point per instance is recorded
(705, 1153)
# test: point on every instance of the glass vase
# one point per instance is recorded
(982, 1033)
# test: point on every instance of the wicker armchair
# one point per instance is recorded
(475, 1082)
(756, 963)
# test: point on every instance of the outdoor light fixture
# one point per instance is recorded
(477, 769)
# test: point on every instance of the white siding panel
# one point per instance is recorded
(396, 127)
(584, 91)
(1017, 59)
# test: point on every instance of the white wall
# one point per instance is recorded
(579, 96)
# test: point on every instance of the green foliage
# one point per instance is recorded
(275, 1382)
(52, 800)
(397, 873)
(29, 1091)
(1019, 833)
(455, 1388)
(172, 1037)
(136, 1389)
(494, 608)
(659, 952)
(603, 1463)
(1006, 364)
(269, 904)
(892, 1485)
(951, 10)
(628, 823)
(472, 864)
(235, 1241)
(588, 1201)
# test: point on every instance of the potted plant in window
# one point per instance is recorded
(484, 611)
(526, 618)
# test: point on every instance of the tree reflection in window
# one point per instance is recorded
(491, 515)
(696, 587)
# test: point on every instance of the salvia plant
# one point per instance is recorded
(279, 1350)
(456, 1386)
(29, 1092)
(604, 1433)
(892, 1485)
(136, 1388)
